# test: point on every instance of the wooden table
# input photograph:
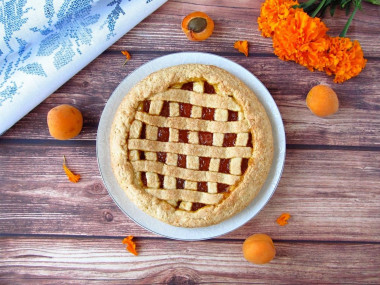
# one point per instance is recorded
(53, 231)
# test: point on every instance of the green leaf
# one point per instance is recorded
(345, 2)
(316, 11)
(324, 8)
(345, 29)
(348, 6)
(305, 5)
(376, 2)
(332, 9)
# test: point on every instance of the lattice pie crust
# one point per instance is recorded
(191, 145)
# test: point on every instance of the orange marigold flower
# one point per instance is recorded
(272, 12)
(302, 39)
(312, 55)
(345, 59)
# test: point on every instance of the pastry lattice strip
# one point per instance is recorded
(154, 180)
(185, 195)
(165, 134)
(196, 99)
(193, 124)
(183, 173)
(183, 127)
(190, 149)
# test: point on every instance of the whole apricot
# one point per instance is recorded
(322, 101)
(64, 122)
(259, 249)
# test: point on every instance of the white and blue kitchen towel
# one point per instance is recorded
(43, 43)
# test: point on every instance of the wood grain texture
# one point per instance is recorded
(236, 20)
(163, 261)
(56, 232)
(331, 195)
(356, 124)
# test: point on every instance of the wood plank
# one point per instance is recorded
(357, 123)
(331, 195)
(54, 231)
(173, 262)
(160, 34)
(236, 20)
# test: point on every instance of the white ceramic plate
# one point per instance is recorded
(152, 224)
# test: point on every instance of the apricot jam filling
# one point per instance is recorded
(202, 138)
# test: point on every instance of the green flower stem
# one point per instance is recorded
(375, 2)
(344, 32)
(305, 5)
(318, 8)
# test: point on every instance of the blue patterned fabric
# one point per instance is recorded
(44, 43)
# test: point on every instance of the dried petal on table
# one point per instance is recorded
(127, 56)
(72, 177)
(131, 246)
(242, 46)
(283, 219)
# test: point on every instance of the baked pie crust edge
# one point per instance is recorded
(250, 182)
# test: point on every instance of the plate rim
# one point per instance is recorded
(254, 84)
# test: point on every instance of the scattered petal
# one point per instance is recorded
(131, 246)
(242, 46)
(283, 219)
(127, 56)
(72, 177)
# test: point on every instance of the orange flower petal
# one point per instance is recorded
(272, 13)
(72, 177)
(127, 56)
(283, 219)
(126, 53)
(131, 246)
(345, 59)
(242, 46)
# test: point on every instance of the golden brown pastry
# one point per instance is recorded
(191, 145)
